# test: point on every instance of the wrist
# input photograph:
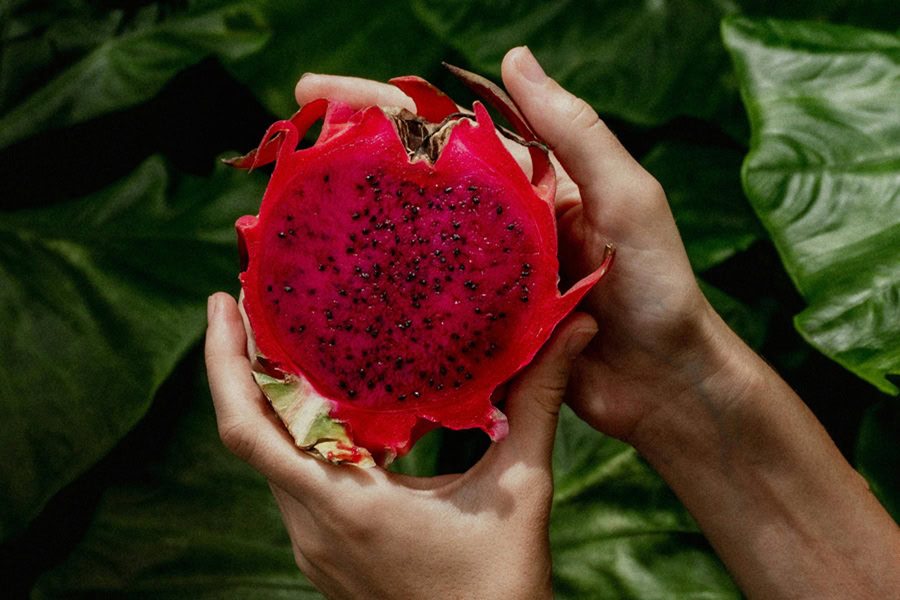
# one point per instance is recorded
(715, 377)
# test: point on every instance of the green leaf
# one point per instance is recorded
(192, 522)
(823, 174)
(703, 187)
(878, 453)
(643, 61)
(100, 297)
(359, 39)
(617, 530)
(423, 459)
(125, 68)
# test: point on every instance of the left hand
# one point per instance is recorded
(374, 534)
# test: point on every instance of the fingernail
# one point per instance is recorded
(579, 341)
(529, 66)
(212, 305)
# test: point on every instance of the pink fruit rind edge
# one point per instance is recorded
(319, 424)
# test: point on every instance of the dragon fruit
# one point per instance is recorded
(399, 270)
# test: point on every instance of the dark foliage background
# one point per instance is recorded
(116, 223)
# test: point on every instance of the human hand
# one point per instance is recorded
(374, 534)
(658, 333)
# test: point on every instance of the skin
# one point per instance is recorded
(780, 505)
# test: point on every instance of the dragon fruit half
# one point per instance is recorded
(399, 270)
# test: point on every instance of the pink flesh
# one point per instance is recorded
(394, 353)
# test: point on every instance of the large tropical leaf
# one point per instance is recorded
(823, 174)
(122, 60)
(643, 61)
(193, 521)
(100, 297)
(360, 39)
(617, 531)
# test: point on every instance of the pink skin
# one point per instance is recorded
(789, 517)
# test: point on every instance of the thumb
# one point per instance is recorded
(535, 396)
(586, 148)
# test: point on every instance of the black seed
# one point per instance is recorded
(291, 231)
(370, 177)
(330, 259)
(447, 190)
(325, 179)
(328, 315)
(291, 329)
(451, 358)
(371, 384)
(350, 250)
(457, 384)
(477, 311)
(440, 386)
(301, 329)
(388, 387)
(511, 226)
(351, 393)
(468, 376)
(416, 394)
(456, 252)
(455, 237)
(343, 385)
(499, 210)
(476, 200)
(472, 188)
(456, 224)
(460, 369)
(288, 289)
(365, 231)
(290, 218)
(269, 288)
(471, 344)
(401, 397)
(421, 191)
(321, 267)
(524, 298)
(443, 370)
(281, 234)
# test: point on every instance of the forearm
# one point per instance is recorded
(787, 514)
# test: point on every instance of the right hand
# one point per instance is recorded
(658, 334)
(659, 337)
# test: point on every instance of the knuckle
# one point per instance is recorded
(583, 116)
(239, 439)
(535, 484)
(653, 189)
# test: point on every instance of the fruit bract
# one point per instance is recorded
(399, 270)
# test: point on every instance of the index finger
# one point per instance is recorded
(354, 91)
